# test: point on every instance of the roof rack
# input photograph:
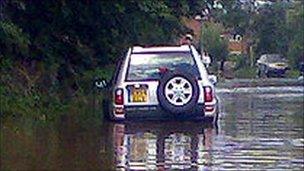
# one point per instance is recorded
(160, 48)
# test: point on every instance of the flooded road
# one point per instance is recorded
(259, 129)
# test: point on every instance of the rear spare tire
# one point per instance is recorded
(178, 92)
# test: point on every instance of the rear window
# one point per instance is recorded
(273, 58)
(150, 66)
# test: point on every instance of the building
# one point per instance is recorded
(237, 44)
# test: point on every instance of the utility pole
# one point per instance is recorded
(251, 54)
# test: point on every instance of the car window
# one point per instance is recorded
(150, 66)
(274, 58)
(263, 58)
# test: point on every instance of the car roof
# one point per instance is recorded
(160, 49)
(272, 55)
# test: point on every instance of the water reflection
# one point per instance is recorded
(162, 146)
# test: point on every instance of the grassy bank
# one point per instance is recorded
(75, 96)
(251, 73)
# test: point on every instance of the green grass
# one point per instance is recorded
(85, 103)
(292, 73)
(248, 72)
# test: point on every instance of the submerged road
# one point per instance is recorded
(260, 128)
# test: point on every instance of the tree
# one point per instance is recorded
(53, 49)
(270, 30)
(212, 42)
(296, 31)
(13, 42)
(235, 17)
(69, 38)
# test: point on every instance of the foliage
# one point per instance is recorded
(212, 42)
(246, 72)
(276, 28)
(279, 29)
(52, 50)
(294, 73)
(233, 16)
(270, 30)
(240, 61)
(295, 29)
(13, 42)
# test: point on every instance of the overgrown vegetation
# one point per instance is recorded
(212, 42)
(52, 50)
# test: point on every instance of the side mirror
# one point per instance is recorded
(100, 83)
(206, 60)
(212, 79)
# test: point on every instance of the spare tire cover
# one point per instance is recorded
(178, 92)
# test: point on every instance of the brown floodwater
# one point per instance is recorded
(258, 129)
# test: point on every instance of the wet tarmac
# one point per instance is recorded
(258, 129)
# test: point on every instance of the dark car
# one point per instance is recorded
(272, 65)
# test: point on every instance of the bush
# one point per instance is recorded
(241, 61)
(17, 100)
(247, 72)
(293, 73)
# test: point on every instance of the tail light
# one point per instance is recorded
(119, 97)
(209, 108)
(208, 94)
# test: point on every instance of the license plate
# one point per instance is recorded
(139, 95)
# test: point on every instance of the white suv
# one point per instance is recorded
(168, 82)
